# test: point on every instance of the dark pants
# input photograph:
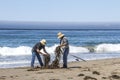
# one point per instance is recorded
(65, 54)
(34, 54)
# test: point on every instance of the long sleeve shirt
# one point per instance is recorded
(64, 42)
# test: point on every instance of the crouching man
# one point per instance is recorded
(36, 51)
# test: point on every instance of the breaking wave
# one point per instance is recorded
(102, 48)
(26, 50)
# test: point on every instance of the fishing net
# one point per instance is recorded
(56, 62)
(46, 59)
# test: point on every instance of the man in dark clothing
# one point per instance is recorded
(64, 44)
(36, 50)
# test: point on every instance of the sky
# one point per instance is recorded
(60, 10)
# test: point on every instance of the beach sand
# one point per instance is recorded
(107, 69)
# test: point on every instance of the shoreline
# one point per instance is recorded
(105, 69)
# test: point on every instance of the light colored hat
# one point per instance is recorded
(60, 35)
(43, 42)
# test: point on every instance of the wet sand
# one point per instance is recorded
(107, 69)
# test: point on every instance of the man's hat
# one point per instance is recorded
(60, 35)
(43, 42)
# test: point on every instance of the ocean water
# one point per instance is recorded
(89, 44)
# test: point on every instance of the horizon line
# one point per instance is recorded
(62, 21)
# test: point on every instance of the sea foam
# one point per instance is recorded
(26, 50)
(21, 50)
(107, 48)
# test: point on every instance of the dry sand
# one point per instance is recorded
(107, 69)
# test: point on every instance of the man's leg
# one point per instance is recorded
(33, 59)
(39, 59)
(65, 54)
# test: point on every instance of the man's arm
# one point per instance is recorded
(45, 50)
(38, 51)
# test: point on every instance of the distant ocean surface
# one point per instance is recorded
(89, 44)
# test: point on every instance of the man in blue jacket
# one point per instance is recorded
(36, 50)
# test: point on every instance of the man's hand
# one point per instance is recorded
(45, 54)
(60, 46)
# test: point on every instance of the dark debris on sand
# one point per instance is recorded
(89, 78)
(33, 69)
(104, 77)
(80, 75)
(2, 77)
(115, 76)
(95, 72)
(54, 79)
